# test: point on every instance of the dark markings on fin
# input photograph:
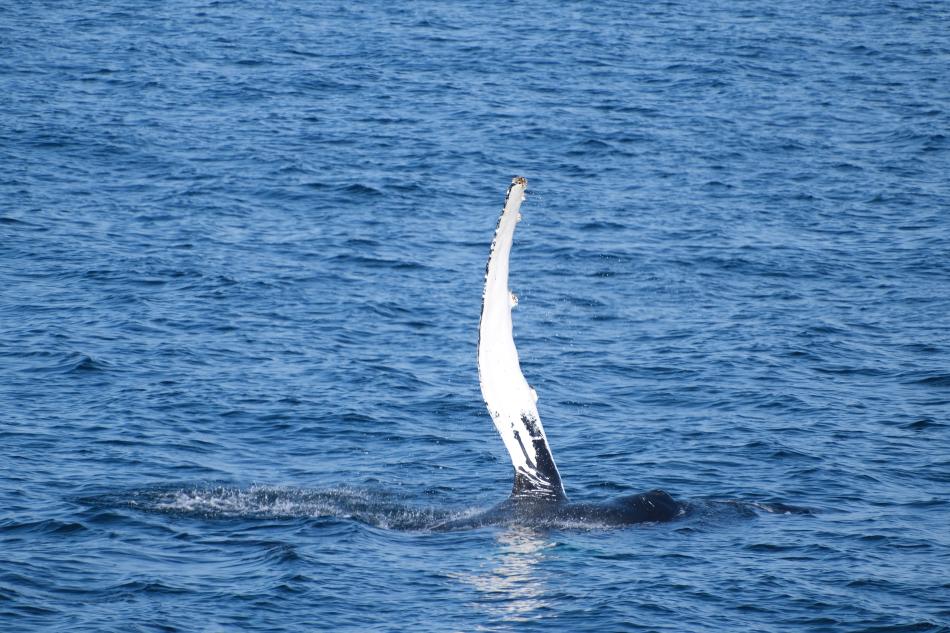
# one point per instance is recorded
(524, 450)
(532, 425)
(546, 483)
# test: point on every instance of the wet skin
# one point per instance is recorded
(648, 507)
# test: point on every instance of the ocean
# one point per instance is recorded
(242, 251)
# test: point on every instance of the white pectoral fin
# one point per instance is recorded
(511, 401)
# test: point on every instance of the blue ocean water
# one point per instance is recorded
(242, 249)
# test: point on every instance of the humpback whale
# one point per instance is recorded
(537, 494)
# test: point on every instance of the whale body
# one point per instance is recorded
(537, 495)
(649, 507)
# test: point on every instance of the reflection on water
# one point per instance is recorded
(510, 588)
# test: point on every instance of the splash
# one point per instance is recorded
(371, 507)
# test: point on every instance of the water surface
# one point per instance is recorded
(241, 258)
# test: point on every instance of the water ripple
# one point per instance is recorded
(245, 245)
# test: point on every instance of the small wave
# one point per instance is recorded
(940, 380)
(602, 225)
(136, 587)
(923, 423)
(781, 508)
(359, 189)
(726, 509)
(9, 220)
(73, 362)
(375, 262)
(48, 526)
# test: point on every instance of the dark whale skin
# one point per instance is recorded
(654, 506)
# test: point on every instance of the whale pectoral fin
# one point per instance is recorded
(510, 400)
